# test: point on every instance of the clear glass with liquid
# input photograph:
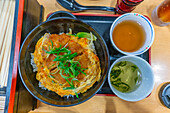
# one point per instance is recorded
(161, 14)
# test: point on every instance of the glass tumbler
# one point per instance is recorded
(161, 14)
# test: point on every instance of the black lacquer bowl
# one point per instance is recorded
(28, 77)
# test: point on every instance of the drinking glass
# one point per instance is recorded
(161, 14)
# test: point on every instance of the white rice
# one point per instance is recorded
(61, 33)
(42, 87)
(32, 63)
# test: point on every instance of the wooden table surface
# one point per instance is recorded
(160, 60)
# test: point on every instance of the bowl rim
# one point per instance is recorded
(107, 64)
(135, 15)
(112, 88)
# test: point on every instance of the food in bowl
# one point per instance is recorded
(125, 76)
(129, 36)
(28, 77)
(146, 83)
(67, 63)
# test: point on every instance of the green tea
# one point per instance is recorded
(125, 76)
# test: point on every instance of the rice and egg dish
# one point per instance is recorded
(66, 64)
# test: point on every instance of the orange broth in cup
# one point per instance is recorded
(128, 36)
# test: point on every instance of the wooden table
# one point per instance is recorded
(160, 60)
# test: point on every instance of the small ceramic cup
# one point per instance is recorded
(147, 83)
(144, 22)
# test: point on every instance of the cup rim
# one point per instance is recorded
(112, 88)
(135, 15)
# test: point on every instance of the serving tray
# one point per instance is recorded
(102, 23)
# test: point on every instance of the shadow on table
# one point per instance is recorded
(110, 106)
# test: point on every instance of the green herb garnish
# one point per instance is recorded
(77, 95)
(121, 85)
(83, 35)
(72, 35)
(86, 35)
(51, 76)
(136, 79)
(66, 65)
(55, 72)
(117, 82)
(51, 66)
(69, 88)
(115, 73)
(125, 87)
(134, 68)
(122, 63)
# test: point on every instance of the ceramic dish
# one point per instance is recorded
(59, 25)
(147, 82)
